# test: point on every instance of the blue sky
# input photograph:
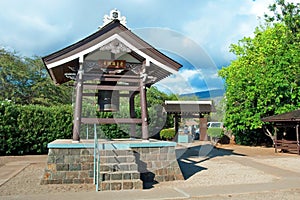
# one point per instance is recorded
(196, 33)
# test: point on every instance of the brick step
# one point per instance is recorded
(105, 167)
(121, 175)
(120, 185)
(117, 159)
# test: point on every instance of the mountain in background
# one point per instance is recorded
(209, 94)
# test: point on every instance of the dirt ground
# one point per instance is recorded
(28, 180)
(253, 151)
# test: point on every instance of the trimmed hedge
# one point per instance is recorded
(215, 132)
(28, 129)
(167, 134)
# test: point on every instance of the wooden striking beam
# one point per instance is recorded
(111, 121)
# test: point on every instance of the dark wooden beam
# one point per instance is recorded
(144, 112)
(297, 135)
(176, 125)
(113, 79)
(132, 113)
(109, 87)
(121, 76)
(78, 105)
(111, 121)
(90, 94)
(203, 129)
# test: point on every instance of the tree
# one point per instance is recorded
(264, 79)
(289, 14)
(26, 81)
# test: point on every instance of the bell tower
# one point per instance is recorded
(110, 67)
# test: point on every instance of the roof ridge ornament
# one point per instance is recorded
(114, 15)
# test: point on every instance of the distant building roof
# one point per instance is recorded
(189, 106)
(293, 116)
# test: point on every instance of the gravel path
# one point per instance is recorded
(28, 182)
(273, 195)
(213, 169)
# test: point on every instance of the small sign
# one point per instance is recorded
(112, 64)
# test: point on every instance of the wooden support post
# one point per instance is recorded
(203, 128)
(297, 134)
(78, 104)
(132, 114)
(145, 133)
(275, 135)
(176, 125)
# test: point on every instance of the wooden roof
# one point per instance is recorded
(67, 59)
(293, 116)
(189, 107)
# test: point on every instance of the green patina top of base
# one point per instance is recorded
(110, 144)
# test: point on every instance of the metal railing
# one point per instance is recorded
(96, 159)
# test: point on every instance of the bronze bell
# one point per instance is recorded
(108, 100)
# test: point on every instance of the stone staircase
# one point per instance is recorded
(118, 171)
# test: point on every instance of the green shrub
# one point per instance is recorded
(111, 131)
(252, 137)
(167, 134)
(28, 129)
(215, 132)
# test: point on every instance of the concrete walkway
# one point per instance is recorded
(265, 181)
(18, 163)
(10, 170)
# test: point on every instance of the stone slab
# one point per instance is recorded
(109, 145)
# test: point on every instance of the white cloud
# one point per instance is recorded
(203, 29)
(190, 81)
(178, 83)
(257, 8)
(223, 22)
(261, 7)
(29, 28)
(199, 71)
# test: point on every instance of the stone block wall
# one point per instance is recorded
(157, 164)
(69, 166)
(119, 169)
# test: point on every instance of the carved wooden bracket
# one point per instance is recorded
(115, 47)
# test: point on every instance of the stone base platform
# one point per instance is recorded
(124, 164)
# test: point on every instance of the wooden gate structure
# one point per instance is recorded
(109, 64)
(191, 109)
(289, 122)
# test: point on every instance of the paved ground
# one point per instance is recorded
(225, 172)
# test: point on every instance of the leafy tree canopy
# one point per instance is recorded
(26, 81)
(264, 79)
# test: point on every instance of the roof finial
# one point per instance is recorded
(114, 15)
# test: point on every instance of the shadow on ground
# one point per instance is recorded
(187, 163)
